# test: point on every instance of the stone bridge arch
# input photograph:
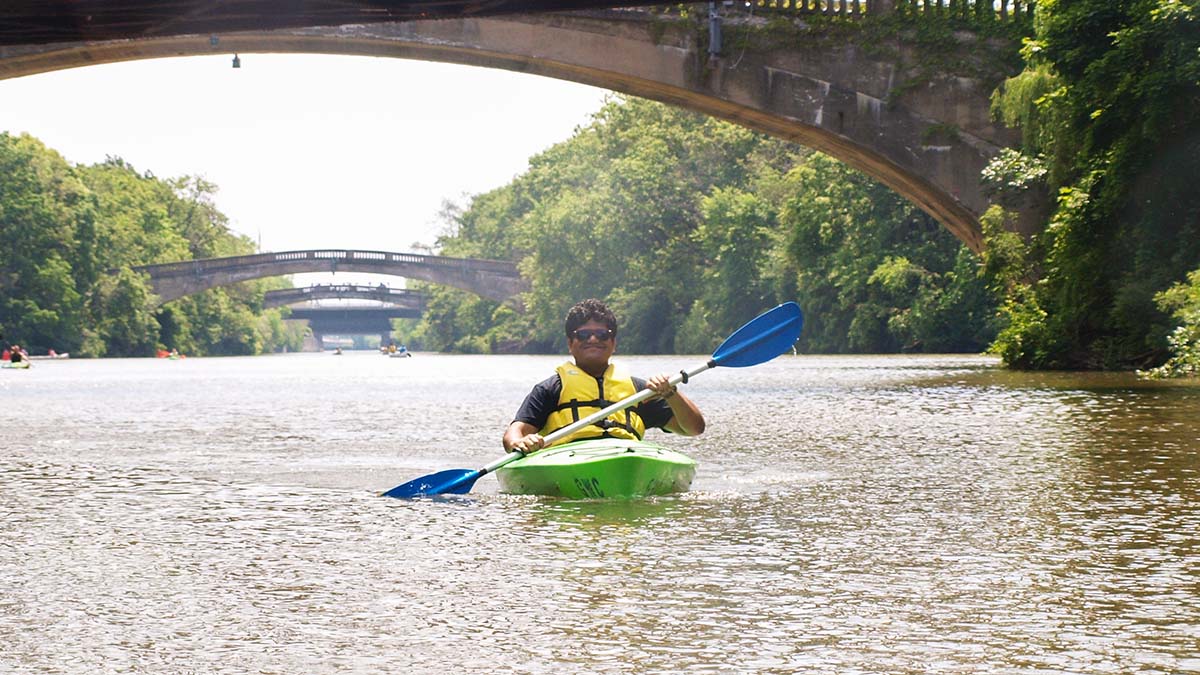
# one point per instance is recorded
(927, 141)
(492, 279)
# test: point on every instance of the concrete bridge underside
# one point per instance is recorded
(352, 320)
(928, 142)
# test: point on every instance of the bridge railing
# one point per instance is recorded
(333, 255)
(351, 288)
(830, 7)
(1003, 10)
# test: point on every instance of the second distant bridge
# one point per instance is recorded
(492, 279)
(398, 297)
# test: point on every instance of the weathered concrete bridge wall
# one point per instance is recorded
(352, 320)
(493, 279)
(872, 106)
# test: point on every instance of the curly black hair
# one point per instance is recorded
(590, 310)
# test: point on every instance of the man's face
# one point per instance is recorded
(592, 351)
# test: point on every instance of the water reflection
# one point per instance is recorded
(899, 515)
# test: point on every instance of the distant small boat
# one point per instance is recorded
(401, 355)
(43, 357)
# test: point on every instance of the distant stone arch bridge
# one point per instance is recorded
(492, 279)
(918, 122)
(401, 298)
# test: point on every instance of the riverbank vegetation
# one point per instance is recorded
(688, 227)
(1183, 302)
(1109, 106)
(70, 235)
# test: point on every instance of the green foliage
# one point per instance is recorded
(71, 234)
(458, 321)
(1111, 97)
(647, 319)
(1183, 301)
(124, 315)
(46, 223)
(734, 236)
(688, 227)
(876, 274)
(1011, 173)
(1030, 101)
(136, 227)
(228, 321)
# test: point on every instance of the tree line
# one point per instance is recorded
(688, 226)
(69, 235)
(1109, 107)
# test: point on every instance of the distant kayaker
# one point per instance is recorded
(591, 383)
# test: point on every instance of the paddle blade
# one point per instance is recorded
(768, 335)
(449, 482)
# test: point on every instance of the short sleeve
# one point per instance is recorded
(540, 402)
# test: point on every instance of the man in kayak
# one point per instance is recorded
(591, 383)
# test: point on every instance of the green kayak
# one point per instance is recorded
(602, 468)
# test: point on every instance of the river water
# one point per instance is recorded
(850, 515)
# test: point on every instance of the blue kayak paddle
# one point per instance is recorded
(762, 339)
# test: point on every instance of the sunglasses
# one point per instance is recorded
(584, 334)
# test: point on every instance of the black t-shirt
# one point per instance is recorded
(543, 400)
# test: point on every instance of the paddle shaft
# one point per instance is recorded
(627, 402)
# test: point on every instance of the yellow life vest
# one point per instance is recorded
(583, 395)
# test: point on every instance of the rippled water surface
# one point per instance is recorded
(850, 515)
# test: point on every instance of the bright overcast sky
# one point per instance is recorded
(308, 151)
